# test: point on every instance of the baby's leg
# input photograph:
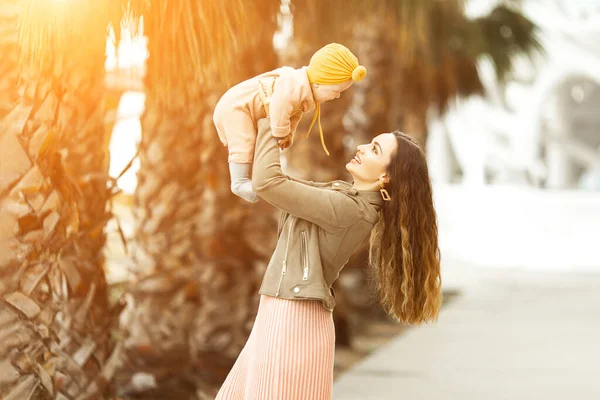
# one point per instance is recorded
(236, 129)
(241, 185)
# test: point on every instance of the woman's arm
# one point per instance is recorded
(329, 209)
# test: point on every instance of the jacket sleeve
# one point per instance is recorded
(282, 105)
(329, 209)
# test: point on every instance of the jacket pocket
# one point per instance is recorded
(304, 255)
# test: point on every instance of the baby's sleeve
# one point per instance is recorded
(283, 102)
(295, 120)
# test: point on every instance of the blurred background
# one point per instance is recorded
(129, 270)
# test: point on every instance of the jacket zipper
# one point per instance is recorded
(284, 264)
(304, 251)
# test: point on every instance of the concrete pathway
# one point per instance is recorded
(512, 334)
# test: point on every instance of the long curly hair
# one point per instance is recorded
(403, 247)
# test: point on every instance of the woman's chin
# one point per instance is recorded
(350, 167)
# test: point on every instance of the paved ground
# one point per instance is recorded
(512, 335)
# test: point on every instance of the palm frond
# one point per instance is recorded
(320, 22)
(439, 44)
(63, 28)
(505, 33)
(424, 28)
(196, 42)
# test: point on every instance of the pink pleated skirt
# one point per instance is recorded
(288, 356)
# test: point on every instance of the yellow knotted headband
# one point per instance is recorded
(331, 65)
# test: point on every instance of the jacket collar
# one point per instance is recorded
(372, 196)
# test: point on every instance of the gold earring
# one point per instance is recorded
(384, 193)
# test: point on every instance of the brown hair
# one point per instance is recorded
(403, 248)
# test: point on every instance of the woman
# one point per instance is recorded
(289, 354)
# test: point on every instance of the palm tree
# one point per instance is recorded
(202, 250)
(437, 50)
(54, 304)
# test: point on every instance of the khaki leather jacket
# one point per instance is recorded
(320, 226)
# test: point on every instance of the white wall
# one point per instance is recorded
(516, 227)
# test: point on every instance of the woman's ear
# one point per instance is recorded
(385, 178)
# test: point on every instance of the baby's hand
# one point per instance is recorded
(286, 142)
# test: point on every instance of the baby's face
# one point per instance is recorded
(325, 93)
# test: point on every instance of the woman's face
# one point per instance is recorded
(372, 159)
(325, 93)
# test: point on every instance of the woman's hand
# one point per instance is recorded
(286, 142)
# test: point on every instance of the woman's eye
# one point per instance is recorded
(374, 149)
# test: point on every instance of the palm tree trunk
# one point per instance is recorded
(415, 122)
(367, 114)
(9, 50)
(53, 303)
(84, 135)
(202, 250)
(408, 111)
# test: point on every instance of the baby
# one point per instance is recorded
(283, 95)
